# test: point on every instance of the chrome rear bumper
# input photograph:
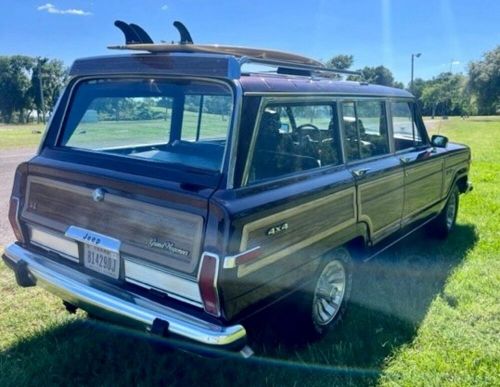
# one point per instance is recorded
(113, 303)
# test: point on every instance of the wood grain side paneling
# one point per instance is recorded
(306, 224)
(59, 205)
(424, 183)
(381, 201)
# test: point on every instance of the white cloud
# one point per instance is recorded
(455, 62)
(51, 8)
(164, 7)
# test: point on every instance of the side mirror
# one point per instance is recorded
(439, 141)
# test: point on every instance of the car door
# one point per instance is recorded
(377, 171)
(297, 201)
(423, 168)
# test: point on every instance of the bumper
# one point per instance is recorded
(113, 303)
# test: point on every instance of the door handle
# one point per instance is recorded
(360, 172)
(405, 160)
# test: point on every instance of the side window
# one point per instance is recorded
(365, 129)
(406, 134)
(293, 138)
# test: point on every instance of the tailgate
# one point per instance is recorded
(157, 234)
(159, 228)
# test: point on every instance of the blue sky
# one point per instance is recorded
(448, 33)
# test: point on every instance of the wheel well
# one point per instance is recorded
(356, 247)
(462, 183)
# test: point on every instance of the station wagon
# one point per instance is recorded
(181, 188)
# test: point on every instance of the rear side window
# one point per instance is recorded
(293, 138)
(406, 133)
(365, 129)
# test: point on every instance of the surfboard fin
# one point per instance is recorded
(183, 31)
(133, 33)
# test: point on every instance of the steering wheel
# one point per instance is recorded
(314, 134)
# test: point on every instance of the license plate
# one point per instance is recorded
(101, 260)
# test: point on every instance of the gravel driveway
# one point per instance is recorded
(9, 159)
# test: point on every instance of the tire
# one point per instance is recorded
(323, 303)
(445, 222)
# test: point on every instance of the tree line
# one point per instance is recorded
(477, 92)
(29, 86)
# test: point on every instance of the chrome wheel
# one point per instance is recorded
(329, 293)
(451, 211)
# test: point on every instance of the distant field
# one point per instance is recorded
(20, 136)
(425, 313)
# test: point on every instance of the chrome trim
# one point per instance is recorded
(153, 277)
(322, 94)
(234, 133)
(75, 81)
(390, 126)
(110, 301)
(52, 241)
(230, 260)
(251, 148)
(93, 238)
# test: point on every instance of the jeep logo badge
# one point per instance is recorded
(98, 195)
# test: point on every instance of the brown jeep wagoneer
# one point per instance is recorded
(180, 189)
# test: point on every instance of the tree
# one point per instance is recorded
(51, 76)
(447, 93)
(484, 82)
(15, 93)
(379, 75)
(341, 62)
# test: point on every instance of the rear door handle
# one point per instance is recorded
(405, 160)
(360, 172)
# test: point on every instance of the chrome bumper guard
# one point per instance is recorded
(113, 303)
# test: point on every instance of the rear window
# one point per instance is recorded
(172, 121)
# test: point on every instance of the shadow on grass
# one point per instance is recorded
(391, 296)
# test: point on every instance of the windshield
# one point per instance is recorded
(183, 122)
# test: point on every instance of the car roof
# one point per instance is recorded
(290, 85)
(222, 65)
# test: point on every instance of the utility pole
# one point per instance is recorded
(40, 88)
(413, 56)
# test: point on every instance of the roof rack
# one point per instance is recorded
(137, 39)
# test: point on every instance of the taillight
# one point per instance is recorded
(14, 218)
(207, 282)
(18, 191)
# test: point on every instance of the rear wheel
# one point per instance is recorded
(445, 222)
(323, 304)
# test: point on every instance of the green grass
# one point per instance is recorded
(137, 132)
(20, 136)
(426, 312)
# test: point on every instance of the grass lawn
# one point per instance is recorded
(427, 312)
(20, 136)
